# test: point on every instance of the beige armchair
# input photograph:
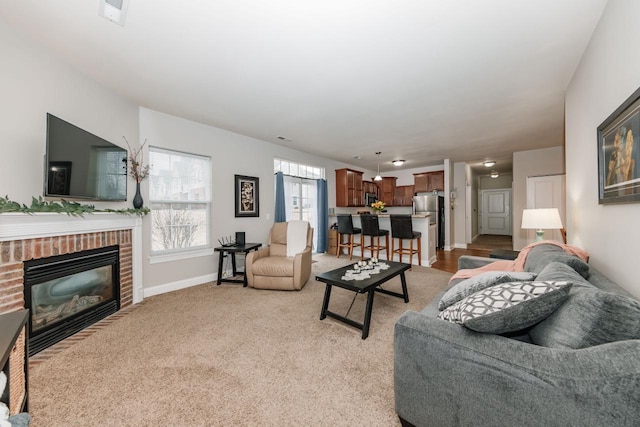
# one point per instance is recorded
(271, 268)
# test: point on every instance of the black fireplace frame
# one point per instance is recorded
(44, 269)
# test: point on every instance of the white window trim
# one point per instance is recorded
(161, 257)
(156, 257)
(298, 164)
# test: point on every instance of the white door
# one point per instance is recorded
(496, 212)
(546, 192)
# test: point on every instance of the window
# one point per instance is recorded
(179, 200)
(300, 191)
(297, 169)
(302, 194)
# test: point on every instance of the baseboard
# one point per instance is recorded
(180, 284)
(460, 246)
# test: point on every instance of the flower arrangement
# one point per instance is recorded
(137, 169)
(377, 206)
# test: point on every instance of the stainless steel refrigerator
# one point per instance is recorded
(434, 205)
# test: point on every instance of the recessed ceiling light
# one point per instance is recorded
(489, 163)
(398, 162)
(114, 10)
(494, 174)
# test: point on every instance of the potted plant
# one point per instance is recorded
(137, 170)
(377, 206)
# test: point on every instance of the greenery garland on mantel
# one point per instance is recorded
(63, 207)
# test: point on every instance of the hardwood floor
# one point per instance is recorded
(448, 261)
(481, 246)
(491, 241)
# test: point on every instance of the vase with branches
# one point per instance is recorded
(137, 170)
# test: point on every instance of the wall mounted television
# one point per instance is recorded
(80, 165)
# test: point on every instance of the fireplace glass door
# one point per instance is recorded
(57, 299)
(67, 293)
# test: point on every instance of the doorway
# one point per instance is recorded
(495, 212)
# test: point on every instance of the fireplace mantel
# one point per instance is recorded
(19, 226)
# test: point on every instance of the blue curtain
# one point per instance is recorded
(323, 217)
(280, 214)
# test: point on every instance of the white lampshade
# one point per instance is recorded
(539, 219)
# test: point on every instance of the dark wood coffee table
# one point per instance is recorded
(370, 286)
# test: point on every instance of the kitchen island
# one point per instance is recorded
(420, 222)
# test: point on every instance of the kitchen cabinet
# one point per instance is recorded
(428, 181)
(349, 188)
(386, 189)
(403, 195)
(369, 187)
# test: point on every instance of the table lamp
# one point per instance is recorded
(540, 219)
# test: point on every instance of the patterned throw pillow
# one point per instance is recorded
(480, 282)
(508, 307)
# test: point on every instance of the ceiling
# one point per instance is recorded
(422, 81)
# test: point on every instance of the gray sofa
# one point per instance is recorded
(578, 367)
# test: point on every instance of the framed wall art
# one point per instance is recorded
(247, 196)
(619, 154)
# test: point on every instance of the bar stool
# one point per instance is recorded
(371, 228)
(345, 226)
(401, 228)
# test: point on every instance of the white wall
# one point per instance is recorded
(503, 181)
(34, 83)
(475, 209)
(607, 75)
(546, 161)
(459, 204)
(405, 177)
(231, 154)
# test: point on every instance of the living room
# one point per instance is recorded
(41, 76)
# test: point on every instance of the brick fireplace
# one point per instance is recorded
(27, 237)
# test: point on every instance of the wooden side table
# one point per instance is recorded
(232, 251)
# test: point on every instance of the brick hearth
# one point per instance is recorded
(14, 253)
(27, 237)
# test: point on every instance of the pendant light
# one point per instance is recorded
(378, 177)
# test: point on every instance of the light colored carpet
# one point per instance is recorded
(226, 355)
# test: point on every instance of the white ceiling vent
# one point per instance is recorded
(114, 10)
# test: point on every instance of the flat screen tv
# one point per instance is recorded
(81, 165)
